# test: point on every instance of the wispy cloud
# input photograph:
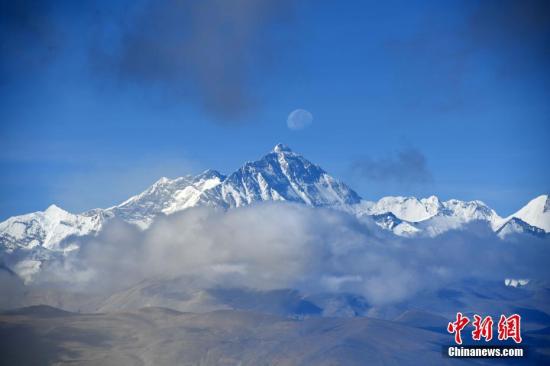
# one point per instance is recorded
(407, 166)
(207, 51)
(445, 56)
(211, 53)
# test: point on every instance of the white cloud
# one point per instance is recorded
(274, 245)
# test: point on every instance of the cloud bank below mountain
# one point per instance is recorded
(280, 245)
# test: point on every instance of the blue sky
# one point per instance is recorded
(98, 101)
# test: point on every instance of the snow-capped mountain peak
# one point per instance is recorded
(536, 213)
(470, 210)
(408, 208)
(54, 210)
(283, 175)
(46, 229)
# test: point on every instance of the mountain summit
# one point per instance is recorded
(281, 148)
(283, 175)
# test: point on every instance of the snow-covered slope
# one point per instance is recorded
(518, 226)
(283, 175)
(405, 208)
(455, 213)
(536, 213)
(46, 229)
(467, 211)
(167, 196)
(392, 223)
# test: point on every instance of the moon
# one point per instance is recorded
(299, 119)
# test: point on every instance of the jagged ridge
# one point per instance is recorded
(280, 175)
